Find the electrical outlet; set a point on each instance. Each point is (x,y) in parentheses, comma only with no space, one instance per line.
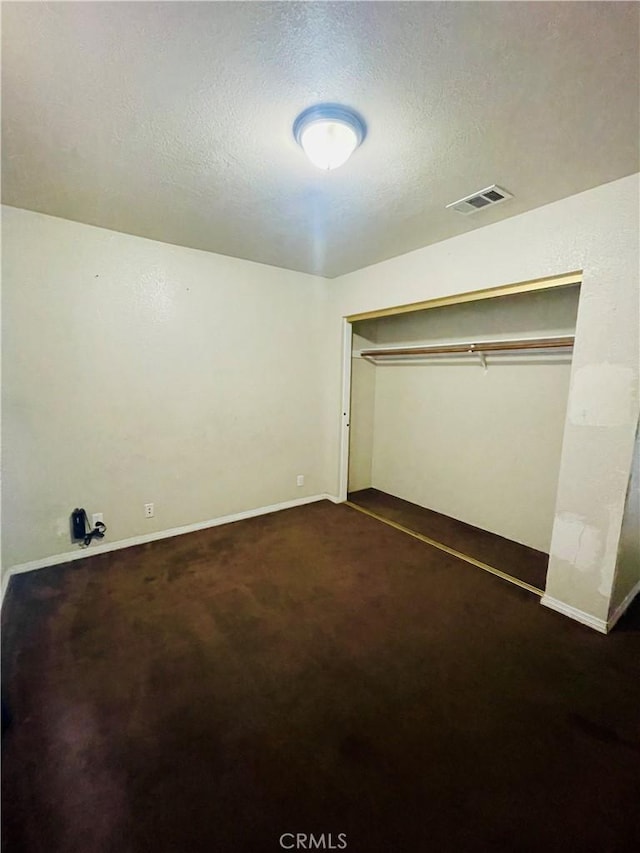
(96,517)
(148,510)
(300,480)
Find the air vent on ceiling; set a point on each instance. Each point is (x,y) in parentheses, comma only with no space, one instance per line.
(485,198)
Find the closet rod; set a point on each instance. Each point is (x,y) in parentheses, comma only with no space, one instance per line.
(485,346)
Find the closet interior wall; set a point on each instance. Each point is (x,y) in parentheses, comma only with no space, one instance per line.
(363,392)
(479,445)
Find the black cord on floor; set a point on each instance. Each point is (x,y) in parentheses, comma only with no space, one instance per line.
(97,533)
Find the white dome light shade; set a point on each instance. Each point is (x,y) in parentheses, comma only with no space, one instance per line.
(328,144)
(329,134)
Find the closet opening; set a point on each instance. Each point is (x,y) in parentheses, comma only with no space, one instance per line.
(456,421)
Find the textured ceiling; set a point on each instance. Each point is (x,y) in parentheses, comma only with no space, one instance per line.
(173,120)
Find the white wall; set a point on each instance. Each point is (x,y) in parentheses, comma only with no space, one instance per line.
(523,315)
(597,232)
(136,371)
(628,569)
(480,446)
(363,389)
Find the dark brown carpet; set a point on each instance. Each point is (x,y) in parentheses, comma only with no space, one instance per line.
(509,557)
(311,671)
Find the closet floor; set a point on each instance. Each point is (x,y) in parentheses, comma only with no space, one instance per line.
(518,561)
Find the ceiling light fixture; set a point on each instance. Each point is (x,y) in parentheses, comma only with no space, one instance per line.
(329,134)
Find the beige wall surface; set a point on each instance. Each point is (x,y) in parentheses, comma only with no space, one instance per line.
(596,232)
(628,569)
(138,372)
(363,389)
(524,315)
(480,447)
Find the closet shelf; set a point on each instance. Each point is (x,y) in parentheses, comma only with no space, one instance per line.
(565,342)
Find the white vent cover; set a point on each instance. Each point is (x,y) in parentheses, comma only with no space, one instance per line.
(478,201)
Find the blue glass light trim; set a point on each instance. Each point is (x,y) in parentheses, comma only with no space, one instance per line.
(330,112)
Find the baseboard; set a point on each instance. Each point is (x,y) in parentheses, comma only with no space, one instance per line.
(620,609)
(82,553)
(6,577)
(573,613)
